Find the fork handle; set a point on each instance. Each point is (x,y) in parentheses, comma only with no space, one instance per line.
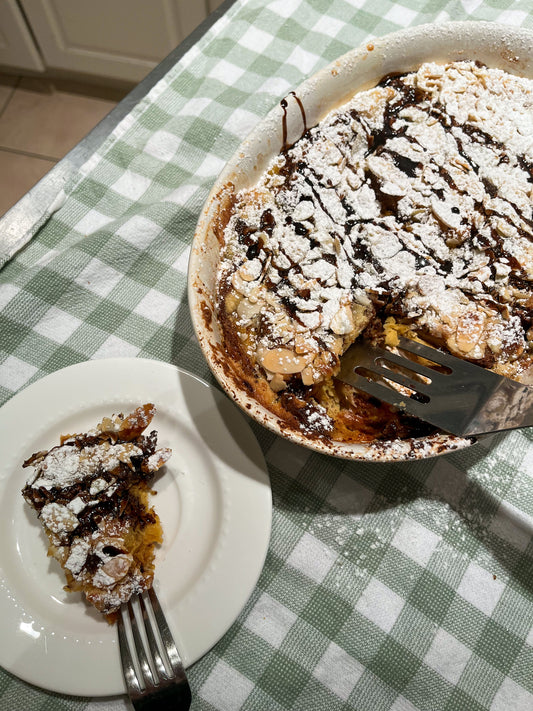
(171,699)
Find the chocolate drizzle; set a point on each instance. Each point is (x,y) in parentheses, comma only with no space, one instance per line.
(407,96)
(405,196)
(284,105)
(91,495)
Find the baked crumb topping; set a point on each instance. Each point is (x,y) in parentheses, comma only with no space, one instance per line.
(91,495)
(407,210)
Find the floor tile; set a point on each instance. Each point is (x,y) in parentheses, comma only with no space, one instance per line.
(43,120)
(7,87)
(18,173)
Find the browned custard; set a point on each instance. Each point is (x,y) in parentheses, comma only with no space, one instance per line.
(406,210)
(91,495)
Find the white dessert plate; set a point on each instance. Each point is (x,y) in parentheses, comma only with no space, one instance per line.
(213,498)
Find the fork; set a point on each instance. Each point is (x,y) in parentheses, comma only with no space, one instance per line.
(152,668)
(454,395)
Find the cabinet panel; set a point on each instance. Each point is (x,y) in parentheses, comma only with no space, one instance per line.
(17,48)
(118,39)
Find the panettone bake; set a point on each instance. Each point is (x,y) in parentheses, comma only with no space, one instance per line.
(408,210)
(91,495)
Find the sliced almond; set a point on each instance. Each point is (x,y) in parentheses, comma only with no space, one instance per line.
(353,180)
(504,228)
(58,518)
(304,344)
(117,567)
(446,213)
(308,375)
(79,551)
(251,270)
(156,460)
(239,284)
(379,167)
(303,211)
(394,188)
(283,360)
(342,322)
(332,155)
(469,333)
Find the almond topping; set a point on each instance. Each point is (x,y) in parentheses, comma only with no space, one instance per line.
(250,271)
(118,566)
(308,375)
(342,322)
(469,331)
(284,361)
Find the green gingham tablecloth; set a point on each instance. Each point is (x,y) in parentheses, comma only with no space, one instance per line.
(403,586)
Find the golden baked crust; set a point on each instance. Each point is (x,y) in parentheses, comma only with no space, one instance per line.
(91,495)
(407,210)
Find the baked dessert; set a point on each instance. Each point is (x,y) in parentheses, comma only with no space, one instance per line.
(91,495)
(408,210)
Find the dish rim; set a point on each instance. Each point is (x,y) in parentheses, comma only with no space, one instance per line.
(501,46)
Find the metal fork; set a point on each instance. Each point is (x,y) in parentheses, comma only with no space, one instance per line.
(152,668)
(452,394)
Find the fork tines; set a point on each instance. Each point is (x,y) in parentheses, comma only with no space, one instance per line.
(151,664)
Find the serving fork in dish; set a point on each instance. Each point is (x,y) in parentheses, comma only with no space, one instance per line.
(456,396)
(151,665)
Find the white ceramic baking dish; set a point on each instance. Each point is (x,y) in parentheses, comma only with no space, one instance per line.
(495,45)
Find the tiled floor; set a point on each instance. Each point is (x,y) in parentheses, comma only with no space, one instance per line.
(40,121)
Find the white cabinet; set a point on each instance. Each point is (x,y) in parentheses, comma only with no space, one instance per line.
(17,48)
(107,39)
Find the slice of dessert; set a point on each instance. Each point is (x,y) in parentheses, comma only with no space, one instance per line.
(91,495)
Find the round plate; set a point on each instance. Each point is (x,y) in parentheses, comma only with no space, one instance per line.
(213,498)
(508,48)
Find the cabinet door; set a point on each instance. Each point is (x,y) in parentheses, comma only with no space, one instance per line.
(116,39)
(17,48)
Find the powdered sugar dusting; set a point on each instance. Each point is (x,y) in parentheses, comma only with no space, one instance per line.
(65,465)
(89,493)
(411,201)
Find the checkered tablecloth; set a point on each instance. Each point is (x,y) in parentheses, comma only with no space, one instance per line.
(403,586)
